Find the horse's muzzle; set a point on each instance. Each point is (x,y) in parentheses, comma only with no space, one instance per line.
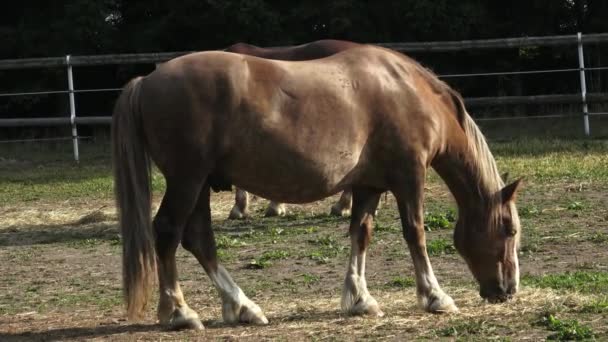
(497,294)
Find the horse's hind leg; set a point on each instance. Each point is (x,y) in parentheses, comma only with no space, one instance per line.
(344,204)
(275,209)
(409,191)
(241,205)
(176,206)
(355,296)
(199,240)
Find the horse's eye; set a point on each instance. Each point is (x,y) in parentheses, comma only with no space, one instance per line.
(507,225)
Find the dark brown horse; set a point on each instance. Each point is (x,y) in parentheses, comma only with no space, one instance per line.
(314,50)
(367,118)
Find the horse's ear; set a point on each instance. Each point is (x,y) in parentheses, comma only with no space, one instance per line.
(509,192)
(505,176)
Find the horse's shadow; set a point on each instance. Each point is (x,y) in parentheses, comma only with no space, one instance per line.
(61,334)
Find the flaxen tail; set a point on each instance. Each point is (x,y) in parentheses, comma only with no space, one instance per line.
(131,166)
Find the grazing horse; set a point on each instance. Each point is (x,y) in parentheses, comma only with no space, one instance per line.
(314,50)
(367,118)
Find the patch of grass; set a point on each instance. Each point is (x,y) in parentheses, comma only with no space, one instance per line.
(328,248)
(597,306)
(565,330)
(576,205)
(439,247)
(402,282)
(381,227)
(528,211)
(463,329)
(438,220)
(582,281)
(311,230)
(226,242)
(275,255)
(599,238)
(265,260)
(309,278)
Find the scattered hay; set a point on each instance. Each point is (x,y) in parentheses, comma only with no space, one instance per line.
(96,216)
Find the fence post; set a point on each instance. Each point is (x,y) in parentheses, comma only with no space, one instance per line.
(72,109)
(581,64)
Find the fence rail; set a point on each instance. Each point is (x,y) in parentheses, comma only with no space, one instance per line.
(73,120)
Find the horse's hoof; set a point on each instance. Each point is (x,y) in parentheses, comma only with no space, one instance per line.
(236,214)
(367,307)
(337,210)
(184,318)
(186,324)
(440,304)
(273,211)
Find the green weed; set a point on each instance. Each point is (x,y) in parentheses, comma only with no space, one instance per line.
(565,330)
(438,220)
(440,246)
(582,281)
(402,282)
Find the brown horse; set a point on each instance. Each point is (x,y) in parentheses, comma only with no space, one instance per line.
(314,50)
(367,118)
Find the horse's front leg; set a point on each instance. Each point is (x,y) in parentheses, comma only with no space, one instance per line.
(409,192)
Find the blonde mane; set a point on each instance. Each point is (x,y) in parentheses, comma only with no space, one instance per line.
(482,159)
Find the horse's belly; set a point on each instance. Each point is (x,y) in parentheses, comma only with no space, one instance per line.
(292,178)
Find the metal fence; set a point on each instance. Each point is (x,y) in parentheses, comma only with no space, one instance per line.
(73,120)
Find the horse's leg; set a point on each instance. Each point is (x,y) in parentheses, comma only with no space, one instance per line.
(355,296)
(198,238)
(275,209)
(241,205)
(177,204)
(409,193)
(342,207)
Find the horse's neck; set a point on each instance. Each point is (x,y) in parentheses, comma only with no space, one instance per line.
(464,176)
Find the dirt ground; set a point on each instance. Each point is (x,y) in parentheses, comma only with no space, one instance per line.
(60,272)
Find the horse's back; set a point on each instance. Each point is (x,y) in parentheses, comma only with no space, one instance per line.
(313,50)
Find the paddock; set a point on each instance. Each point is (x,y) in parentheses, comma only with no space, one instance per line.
(61,275)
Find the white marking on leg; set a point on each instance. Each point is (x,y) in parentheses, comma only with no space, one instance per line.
(174,312)
(430,295)
(236,306)
(355,295)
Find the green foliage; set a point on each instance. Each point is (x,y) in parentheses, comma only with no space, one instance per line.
(597,306)
(599,238)
(582,281)
(438,220)
(226,242)
(327,248)
(565,330)
(265,260)
(576,205)
(528,211)
(402,282)
(310,278)
(440,246)
(463,329)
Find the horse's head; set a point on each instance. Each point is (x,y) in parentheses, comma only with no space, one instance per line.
(488,239)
